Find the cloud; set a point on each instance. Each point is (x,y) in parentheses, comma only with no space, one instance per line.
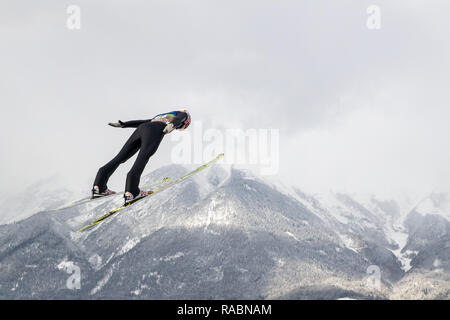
(356,108)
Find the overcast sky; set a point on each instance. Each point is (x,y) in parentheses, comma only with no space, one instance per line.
(358,110)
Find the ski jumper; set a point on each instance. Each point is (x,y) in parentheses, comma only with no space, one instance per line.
(145,139)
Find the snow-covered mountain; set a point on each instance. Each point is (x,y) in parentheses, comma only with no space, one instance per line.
(428,246)
(44,194)
(228,234)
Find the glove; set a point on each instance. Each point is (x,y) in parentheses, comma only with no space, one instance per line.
(119,124)
(169,128)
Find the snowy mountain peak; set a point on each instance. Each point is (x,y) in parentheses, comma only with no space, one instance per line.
(224,233)
(435,204)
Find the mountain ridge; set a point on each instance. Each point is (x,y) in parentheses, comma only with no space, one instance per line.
(223,233)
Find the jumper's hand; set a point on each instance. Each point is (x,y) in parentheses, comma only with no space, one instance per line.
(119,124)
(169,128)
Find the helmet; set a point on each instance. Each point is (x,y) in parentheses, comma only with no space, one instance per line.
(187,121)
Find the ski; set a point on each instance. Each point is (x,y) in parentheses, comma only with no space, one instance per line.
(88,199)
(151,192)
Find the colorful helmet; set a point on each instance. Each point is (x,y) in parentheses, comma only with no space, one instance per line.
(186,122)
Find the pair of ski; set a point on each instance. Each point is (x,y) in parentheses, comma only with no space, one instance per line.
(151,192)
(89,199)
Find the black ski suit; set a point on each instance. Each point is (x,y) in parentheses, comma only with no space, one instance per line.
(146,138)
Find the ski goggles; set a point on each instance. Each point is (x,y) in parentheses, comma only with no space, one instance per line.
(186,122)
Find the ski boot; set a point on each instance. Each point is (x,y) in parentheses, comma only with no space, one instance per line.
(97,194)
(128,196)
